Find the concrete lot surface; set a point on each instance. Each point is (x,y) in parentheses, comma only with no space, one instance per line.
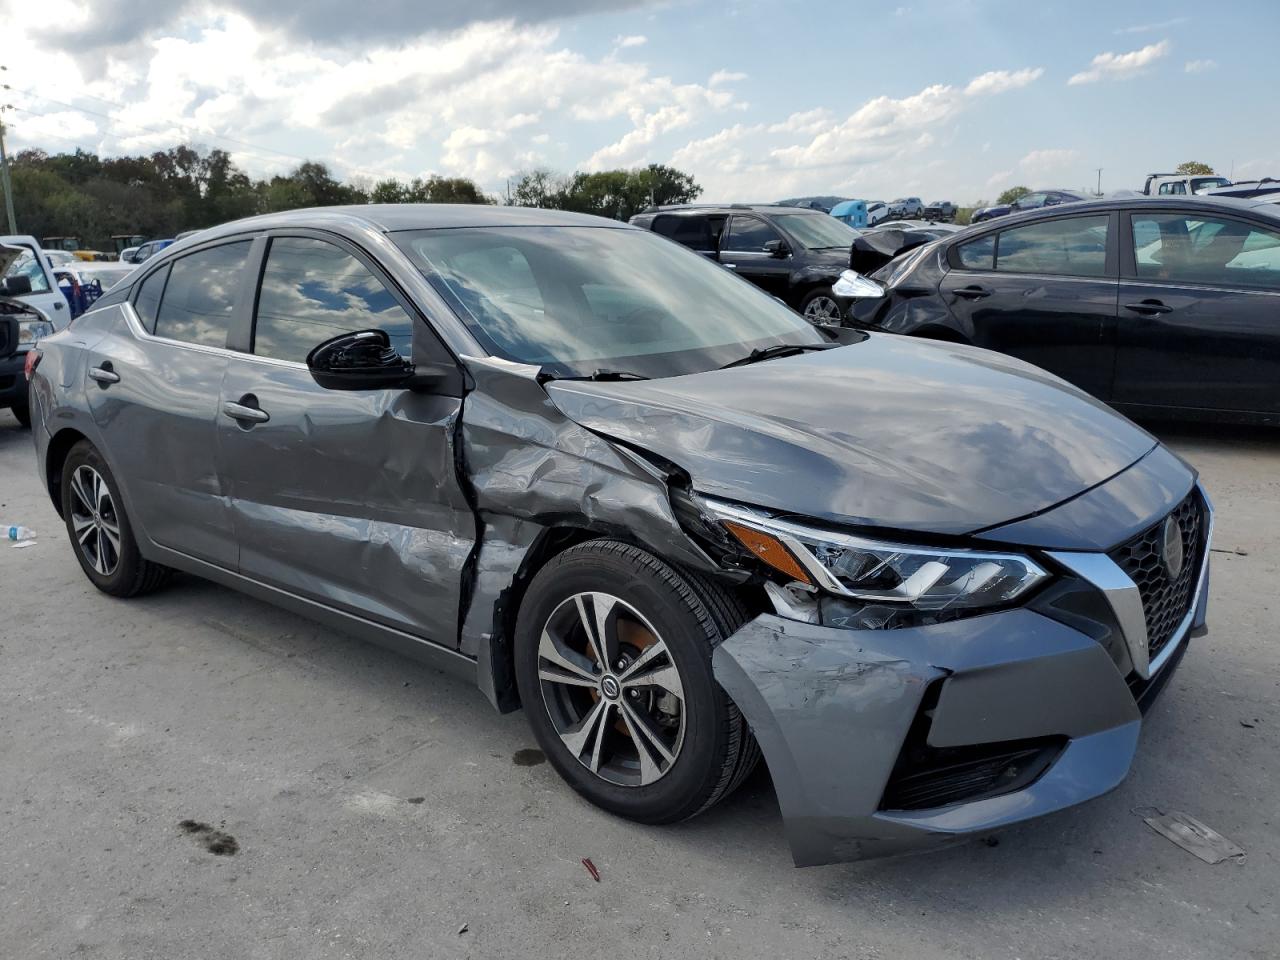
(376,806)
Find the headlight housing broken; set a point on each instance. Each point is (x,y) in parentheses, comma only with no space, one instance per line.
(880,585)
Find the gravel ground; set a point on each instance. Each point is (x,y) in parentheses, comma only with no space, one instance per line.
(376,807)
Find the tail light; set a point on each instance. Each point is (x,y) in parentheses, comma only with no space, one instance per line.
(32,361)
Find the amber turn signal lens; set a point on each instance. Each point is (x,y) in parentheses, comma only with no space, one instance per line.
(770,550)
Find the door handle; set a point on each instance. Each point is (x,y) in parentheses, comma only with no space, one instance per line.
(973,292)
(729,266)
(1149,308)
(245,414)
(104,374)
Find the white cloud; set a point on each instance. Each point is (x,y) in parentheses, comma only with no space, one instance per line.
(482,101)
(1120,66)
(882,141)
(998,81)
(635,40)
(1200,66)
(725,76)
(999,177)
(1153,27)
(1048,161)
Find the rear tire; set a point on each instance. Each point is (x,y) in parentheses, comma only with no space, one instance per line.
(704,748)
(22,413)
(99,527)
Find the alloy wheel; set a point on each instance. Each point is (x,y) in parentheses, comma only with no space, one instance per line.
(94,520)
(612,690)
(822,310)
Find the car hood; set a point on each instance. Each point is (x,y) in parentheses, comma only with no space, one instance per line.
(892,432)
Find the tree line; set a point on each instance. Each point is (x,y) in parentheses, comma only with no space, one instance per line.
(188,188)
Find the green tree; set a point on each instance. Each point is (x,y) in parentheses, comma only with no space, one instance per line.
(537,188)
(1012,194)
(619,194)
(1194,168)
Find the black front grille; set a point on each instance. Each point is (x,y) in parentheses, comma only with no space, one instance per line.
(938,777)
(1165,599)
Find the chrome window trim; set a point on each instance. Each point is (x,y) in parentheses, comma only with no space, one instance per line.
(1193,285)
(140,333)
(1122,596)
(1005,274)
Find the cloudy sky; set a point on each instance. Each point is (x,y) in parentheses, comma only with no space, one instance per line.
(759,99)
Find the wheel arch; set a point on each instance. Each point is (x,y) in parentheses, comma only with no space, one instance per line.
(59,447)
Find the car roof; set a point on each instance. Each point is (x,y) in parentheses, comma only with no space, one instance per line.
(393,217)
(1141,201)
(728,208)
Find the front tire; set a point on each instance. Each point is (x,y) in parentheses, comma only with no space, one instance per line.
(613,663)
(820,307)
(99,527)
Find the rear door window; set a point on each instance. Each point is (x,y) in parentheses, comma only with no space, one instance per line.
(1193,248)
(1070,247)
(313,291)
(201,295)
(693,232)
(978,254)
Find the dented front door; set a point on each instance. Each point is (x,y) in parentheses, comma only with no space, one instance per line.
(351,498)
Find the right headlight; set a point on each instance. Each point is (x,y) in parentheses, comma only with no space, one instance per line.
(882,579)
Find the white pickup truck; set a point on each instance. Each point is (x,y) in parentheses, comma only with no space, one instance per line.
(34,264)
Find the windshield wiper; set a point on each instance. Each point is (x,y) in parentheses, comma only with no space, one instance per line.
(777,350)
(601,374)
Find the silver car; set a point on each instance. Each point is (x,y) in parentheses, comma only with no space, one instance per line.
(616,485)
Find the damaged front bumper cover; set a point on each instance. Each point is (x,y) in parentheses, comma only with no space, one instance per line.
(871,736)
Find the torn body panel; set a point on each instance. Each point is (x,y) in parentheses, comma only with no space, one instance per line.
(834,711)
(532,473)
(351,498)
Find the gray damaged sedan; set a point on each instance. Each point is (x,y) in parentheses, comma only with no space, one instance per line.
(617,486)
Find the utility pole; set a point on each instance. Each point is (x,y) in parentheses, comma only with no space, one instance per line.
(6,182)
(4,164)
(1099,191)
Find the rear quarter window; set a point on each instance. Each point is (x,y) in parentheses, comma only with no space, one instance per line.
(147,301)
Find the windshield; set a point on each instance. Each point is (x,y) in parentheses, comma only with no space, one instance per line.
(575,300)
(817,232)
(1201,184)
(27,266)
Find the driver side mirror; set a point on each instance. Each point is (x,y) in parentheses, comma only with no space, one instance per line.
(777,248)
(365,360)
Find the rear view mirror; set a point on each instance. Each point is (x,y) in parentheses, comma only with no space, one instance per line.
(359,361)
(777,248)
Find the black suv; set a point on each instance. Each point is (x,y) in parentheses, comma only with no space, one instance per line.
(793,253)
